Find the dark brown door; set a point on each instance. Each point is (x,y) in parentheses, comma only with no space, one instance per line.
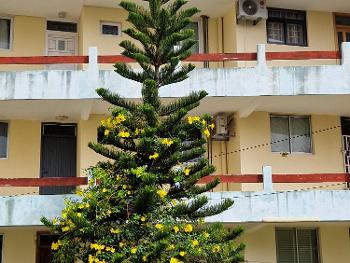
(44,252)
(58,155)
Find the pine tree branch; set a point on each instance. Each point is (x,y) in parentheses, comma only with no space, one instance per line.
(115,99)
(183,102)
(213,210)
(106,152)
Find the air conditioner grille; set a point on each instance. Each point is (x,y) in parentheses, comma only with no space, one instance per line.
(250,7)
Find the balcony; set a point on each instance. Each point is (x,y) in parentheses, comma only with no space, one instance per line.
(306,204)
(235,89)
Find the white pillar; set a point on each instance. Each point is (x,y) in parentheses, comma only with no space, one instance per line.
(261,55)
(93,56)
(267,179)
(345,50)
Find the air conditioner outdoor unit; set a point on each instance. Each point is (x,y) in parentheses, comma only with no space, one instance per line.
(221,127)
(254,10)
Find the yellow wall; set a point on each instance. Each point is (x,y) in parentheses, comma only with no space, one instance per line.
(261,245)
(243,37)
(19,245)
(23,154)
(91,17)
(87,132)
(326,157)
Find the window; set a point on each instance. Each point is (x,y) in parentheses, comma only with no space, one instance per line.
(290,134)
(5,33)
(295,245)
(3,139)
(62,26)
(111,29)
(1,245)
(286,27)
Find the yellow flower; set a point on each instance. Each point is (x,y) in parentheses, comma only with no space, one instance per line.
(174,202)
(207,133)
(188,228)
(104,190)
(187,171)
(190,120)
(64,215)
(196,118)
(55,245)
(97,247)
(175,260)
(159,227)
(139,131)
(110,249)
(176,229)
(143,219)
(87,205)
(54,221)
(216,249)
(206,234)
(204,122)
(114,231)
(162,193)
(78,214)
(195,242)
(167,142)
(121,244)
(144,259)
(107,132)
(65,229)
(182,253)
(211,126)
(170,247)
(133,250)
(120,118)
(124,134)
(154,156)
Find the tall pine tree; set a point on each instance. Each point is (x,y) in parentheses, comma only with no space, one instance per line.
(146,205)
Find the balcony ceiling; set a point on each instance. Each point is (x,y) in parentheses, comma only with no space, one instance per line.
(50,9)
(217,8)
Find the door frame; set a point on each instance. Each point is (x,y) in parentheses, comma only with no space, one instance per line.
(41,144)
(339,27)
(37,249)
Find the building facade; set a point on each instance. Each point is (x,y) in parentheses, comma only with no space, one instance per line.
(280,85)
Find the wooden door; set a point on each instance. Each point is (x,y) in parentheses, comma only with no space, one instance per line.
(58,155)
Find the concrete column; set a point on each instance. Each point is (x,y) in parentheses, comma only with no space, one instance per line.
(267,179)
(261,55)
(92,70)
(345,50)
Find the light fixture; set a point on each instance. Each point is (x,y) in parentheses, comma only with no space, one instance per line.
(62,14)
(61,117)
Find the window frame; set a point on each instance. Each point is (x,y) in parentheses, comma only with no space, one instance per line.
(2,236)
(8,141)
(290,133)
(110,23)
(11,33)
(295,230)
(285,22)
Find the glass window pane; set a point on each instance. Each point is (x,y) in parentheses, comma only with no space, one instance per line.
(295,34)
(110,30)
(300,134)
(342,20)
(307,246)
(3,139)
(5,33)
(280,134)
(286,246)
(275,32)
(194,26)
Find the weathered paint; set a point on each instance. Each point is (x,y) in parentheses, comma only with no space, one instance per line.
(255,207)
(253,81)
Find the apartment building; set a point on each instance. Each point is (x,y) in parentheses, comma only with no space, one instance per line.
(277,73)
